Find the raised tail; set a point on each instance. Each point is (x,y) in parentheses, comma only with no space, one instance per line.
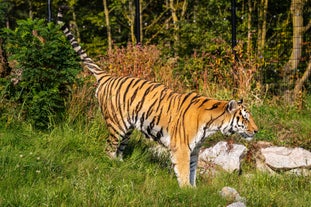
(87,61)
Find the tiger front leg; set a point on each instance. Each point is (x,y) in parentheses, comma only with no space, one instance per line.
(193,167)
(180,157)
(117,143)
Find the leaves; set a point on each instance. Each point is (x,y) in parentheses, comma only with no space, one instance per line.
(48,67)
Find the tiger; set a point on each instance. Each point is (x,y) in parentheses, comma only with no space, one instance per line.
(178,121)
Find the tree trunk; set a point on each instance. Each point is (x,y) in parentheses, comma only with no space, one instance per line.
(298,30)
(106,10)
(173,8)
(302,80)
(262,26)
(249,28)
(75,26)
(141,21)
(131,19)
(30,12)
(175,22)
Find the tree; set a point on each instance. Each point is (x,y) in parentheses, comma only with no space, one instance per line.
(298,30)
(106,10)
(297,44)
(262,26)
(48,68)
(178,11)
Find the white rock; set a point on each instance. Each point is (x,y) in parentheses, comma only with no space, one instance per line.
(282,158)
(228,157)
(300,172)
(231,195)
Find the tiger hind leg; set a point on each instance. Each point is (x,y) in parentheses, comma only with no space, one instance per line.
(123,143)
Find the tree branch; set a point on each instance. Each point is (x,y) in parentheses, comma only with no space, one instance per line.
(302,80)
(308,26)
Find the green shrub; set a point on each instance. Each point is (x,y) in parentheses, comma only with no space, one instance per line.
(46,68)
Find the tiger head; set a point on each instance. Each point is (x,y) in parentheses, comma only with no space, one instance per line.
(239,120)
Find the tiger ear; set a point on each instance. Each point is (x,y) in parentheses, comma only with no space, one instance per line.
(232,106)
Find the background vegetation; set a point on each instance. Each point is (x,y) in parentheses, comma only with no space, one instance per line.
(52,136)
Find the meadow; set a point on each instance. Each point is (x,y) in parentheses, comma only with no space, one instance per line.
(67,166)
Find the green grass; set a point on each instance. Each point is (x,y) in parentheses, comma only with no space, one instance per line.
(283,125)
(67,166)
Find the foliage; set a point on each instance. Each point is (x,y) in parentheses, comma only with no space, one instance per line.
(46,68)
(220,70)
(200,23)
(136,61)
(4,6)
(195,31)
(144,61)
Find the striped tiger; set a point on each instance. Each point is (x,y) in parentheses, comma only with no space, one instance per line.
(180,122)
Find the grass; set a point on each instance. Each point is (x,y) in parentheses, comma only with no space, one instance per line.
(283,125)
(67,166)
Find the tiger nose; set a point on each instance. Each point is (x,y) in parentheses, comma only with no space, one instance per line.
(255,131)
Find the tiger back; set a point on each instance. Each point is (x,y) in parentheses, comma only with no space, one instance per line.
(180,122)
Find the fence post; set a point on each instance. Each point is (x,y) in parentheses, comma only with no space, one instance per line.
(233,44)
(49,11)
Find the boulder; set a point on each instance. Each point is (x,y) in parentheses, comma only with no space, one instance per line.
(232,196)
(227,156)
(282,158)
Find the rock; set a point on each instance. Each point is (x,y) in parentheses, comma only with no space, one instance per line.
(262,144)
(300,172)
(231,195)
(237,204)
(282,158)
(228,156)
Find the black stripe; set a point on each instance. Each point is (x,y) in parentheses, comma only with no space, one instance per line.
(159,135)
(215,106)
(170,99)
(189,105)
(161,97)
(118,101)
(115,132)
(128,87)
(142,120)
(141,102)
(136,89)
(103,76)
(184,99)
(203,102)
(150,110)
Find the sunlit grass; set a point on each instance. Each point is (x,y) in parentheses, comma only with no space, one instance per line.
(67,166)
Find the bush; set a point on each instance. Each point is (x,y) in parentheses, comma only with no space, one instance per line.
(46,68)
(216,71)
